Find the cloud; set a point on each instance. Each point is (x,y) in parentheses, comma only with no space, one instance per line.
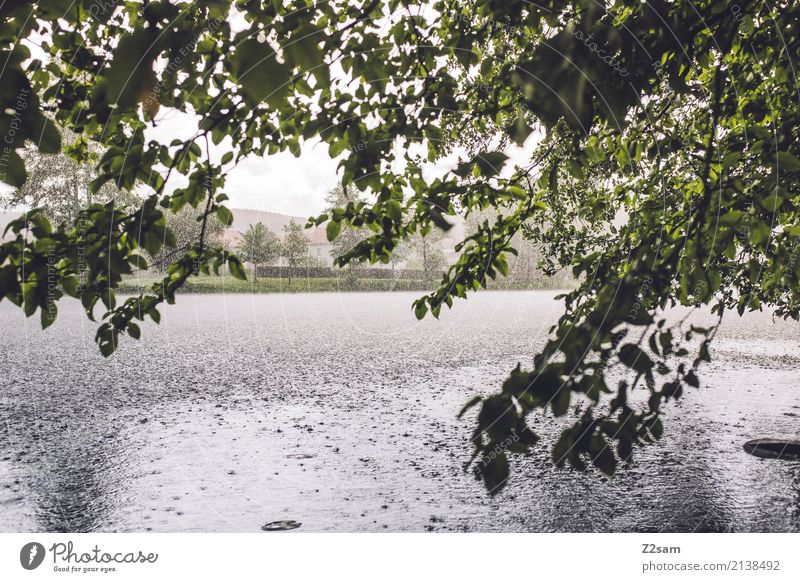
(284,183)
(279,183)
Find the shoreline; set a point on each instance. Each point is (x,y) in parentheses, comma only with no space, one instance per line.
(225,284)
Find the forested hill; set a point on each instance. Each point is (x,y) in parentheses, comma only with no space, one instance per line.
(243,218)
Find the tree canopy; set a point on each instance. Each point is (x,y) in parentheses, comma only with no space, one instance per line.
(259,246)
(294,247)
(58,184)
(664,167)
(344,239)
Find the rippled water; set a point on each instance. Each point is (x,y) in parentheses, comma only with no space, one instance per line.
(338,411)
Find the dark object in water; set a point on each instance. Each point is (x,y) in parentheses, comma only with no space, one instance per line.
(281,525)
(774,449)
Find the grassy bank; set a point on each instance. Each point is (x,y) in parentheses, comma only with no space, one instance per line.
(228,284)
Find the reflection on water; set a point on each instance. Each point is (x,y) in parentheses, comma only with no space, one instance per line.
(338,411)
(67,473)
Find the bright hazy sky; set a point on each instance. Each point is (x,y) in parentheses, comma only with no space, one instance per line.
(293,185)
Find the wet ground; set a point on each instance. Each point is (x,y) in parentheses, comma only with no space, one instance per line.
(338,411)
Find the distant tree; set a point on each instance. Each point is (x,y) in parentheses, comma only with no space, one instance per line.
(400,254)
(259,246)
(427,246)
(60,185)
(529,266)
(313,262)
(347,238)
(294,247)
(186,227)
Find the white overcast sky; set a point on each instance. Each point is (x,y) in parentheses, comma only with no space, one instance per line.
(287,184)
(281,182)
(293,185)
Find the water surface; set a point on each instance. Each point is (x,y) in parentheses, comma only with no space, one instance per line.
(338,411)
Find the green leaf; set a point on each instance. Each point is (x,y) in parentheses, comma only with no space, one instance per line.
(12,170)
(332,229)
(303,50)
(593,150)
(49,314)
(130,68)
(730,218)
(337,147)
(502,265)
(394,210)
(225,216)
(623,156)
(71,283)
(155,315)
(134,331)
(772,202)
(109,298)
(491,163)
(49,141)
(107,339)
(152,242)
(520,130)
(236,269)
(788,162)
(40,224)
(262,77)
(575,169)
